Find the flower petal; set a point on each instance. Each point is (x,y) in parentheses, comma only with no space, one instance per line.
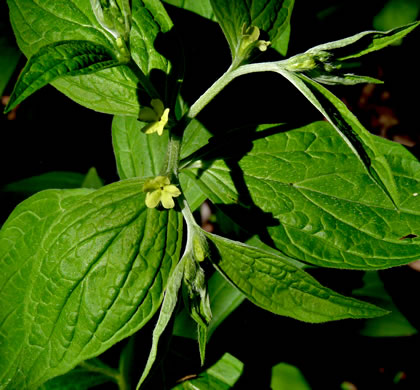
(167,200)
(172,190)
(147,114)
(158,106)
(153,198)
(150,128)
(159,127)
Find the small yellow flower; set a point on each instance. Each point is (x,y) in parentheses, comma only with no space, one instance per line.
(157,115)
(250,39)
(158,190)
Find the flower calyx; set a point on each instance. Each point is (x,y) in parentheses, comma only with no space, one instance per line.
(157,116)
(160,190)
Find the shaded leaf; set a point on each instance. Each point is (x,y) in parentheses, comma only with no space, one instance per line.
(92,179)
(80,280)
(391,325)
(9,57)
(396,13)
(278,284)
(285,376)
(77,379)
(48,180)
(202,7)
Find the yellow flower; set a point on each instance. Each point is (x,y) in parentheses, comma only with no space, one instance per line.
(158,190)
(250,40)
(157,115)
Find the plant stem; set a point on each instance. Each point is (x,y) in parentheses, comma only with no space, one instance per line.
(225,79)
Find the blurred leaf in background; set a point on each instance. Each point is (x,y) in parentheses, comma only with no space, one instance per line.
(287,377)
(396,13)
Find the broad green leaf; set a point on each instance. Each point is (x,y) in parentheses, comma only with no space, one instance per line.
(316,200)
(168,306)
(359,140)
(68,58)
(285,376)
(221,376)
(278,284)
(143,155)
(137,154)
(224,299)
(392,325)
(363,43)
(28,222)
(116,90)
(272,16)
(201,7)
(48,180)
(91,276)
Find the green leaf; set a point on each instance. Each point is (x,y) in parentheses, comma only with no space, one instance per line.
(315,199)
(195,137)
(224,299)
(79,281)
(202,7)
(278,284)
(221,376)
(392,325)
(285,376)
(115,90)
(151,27)
(48,180)
(363,43)
(9,56)
(137,154)
(272,16)
(396,13)
(143,155)
(69,58)
(348,126)
(92,179)
(168,306)
(78,379)
(28,222)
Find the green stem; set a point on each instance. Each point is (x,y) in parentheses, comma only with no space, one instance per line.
(225,79)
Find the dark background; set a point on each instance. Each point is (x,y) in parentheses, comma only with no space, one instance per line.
(52,133)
